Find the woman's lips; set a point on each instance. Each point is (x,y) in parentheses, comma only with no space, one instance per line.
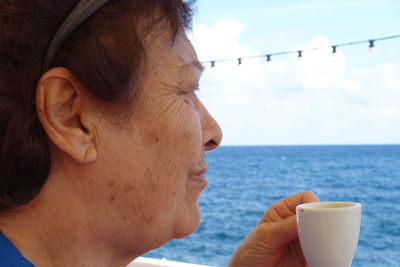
(198,174)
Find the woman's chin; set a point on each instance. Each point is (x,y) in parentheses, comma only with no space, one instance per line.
(188,227)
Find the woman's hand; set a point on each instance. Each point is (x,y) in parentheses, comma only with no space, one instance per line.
(274,241)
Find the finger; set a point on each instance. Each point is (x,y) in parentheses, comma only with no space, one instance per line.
(271,215)
(285,208)
(278,211)
(282,232)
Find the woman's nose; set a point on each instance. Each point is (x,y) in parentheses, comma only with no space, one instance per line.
(212,134)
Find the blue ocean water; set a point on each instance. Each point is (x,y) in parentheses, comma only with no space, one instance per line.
(244,181)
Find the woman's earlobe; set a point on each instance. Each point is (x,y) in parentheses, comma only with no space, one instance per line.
(60,102)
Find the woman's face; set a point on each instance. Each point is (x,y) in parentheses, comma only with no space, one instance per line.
(149,172)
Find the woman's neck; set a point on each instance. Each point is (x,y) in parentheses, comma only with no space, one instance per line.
(53,233)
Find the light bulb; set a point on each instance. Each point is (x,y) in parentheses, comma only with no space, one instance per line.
(334,49)
(372,47)
(299,54)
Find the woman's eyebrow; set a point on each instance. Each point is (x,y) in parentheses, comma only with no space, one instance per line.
(195,63)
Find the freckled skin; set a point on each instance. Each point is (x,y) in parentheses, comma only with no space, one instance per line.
(117,190)
(153,187)
(128,187)
(111,198)
(148,166)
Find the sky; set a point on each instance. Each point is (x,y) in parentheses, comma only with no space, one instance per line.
(352,97)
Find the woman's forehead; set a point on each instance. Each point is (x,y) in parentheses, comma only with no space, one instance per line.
(176,55)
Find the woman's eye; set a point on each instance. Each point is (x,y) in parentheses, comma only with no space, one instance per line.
(195,89)
(191,91)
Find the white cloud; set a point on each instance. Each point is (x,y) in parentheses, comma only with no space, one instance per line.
(321,99)
(213,40)
(316,6)
(319,69)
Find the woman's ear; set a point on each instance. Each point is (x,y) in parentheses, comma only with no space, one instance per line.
(60,104)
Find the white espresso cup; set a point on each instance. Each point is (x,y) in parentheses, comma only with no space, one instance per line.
(329,232)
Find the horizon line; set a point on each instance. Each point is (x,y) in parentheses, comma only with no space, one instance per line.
(369,144)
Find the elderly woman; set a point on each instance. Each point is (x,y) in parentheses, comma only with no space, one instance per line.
(103,139)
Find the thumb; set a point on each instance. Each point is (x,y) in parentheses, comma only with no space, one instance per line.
(265,245)
(283,232)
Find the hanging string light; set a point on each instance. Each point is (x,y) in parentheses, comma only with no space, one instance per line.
(371,45)
(299,53)
(334,49)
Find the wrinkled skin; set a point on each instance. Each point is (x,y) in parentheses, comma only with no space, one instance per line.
(274,241)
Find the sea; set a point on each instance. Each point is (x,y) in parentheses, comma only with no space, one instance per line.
(244,180)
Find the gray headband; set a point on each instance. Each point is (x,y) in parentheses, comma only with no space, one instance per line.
(83,10)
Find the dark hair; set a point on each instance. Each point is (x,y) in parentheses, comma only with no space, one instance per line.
(106,54)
